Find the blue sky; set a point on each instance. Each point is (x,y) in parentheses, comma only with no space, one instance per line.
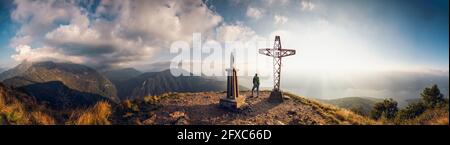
(7,30)
(410,33)
(414,31)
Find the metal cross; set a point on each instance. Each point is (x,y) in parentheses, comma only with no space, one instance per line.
(277,53)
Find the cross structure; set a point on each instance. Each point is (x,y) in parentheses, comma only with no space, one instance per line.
(277,52)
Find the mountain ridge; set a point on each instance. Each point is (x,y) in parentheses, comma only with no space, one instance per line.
(74,76)
(156,83)
(17,70)
(130,82)
(118,75)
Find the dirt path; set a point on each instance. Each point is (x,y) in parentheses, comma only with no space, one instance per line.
(203,108)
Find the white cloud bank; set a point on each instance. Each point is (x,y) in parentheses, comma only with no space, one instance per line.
(116,33)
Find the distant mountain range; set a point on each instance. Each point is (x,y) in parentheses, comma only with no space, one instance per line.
(399,85)
(58,96)
(156,83)
(119,75)
(64,85)
(74,76)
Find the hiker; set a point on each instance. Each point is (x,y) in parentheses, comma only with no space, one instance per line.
(256,85)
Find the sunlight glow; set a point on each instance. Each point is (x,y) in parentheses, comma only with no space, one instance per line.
(326,48)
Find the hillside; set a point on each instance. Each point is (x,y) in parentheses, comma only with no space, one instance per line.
(176,108)
(200,108)
(203,109)
(77,77)
(58,96)
(19,108)
(437,116)
(67,85)
(360,105)
(65,93)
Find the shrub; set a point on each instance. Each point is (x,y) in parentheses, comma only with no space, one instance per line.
(411,111)
(432,97)
(386,109)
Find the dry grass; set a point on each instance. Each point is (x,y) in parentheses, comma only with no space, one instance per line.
(439,121)
(333,114)
(336,115)
(97,115)
(152,99)
(13,113)
(2,103)
(40,118)
(438,116)
(127,104)
(349,117)
(171,95)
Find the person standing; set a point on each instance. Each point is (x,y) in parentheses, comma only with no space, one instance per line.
(256,85)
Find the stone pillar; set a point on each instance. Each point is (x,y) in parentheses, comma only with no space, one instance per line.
(233,100)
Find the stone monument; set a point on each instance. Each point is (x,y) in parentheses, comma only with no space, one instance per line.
(233,100)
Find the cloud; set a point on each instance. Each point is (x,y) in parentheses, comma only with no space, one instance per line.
(235,32)
(273,2)
(254,13)
(25,52)
(116,33)
(280,20)
(307,5)
(38,17)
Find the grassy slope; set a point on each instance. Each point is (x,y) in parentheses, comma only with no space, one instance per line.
(359,105)
(439,116)
(435,116)
(334,114)
(15,111)
(19,109)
